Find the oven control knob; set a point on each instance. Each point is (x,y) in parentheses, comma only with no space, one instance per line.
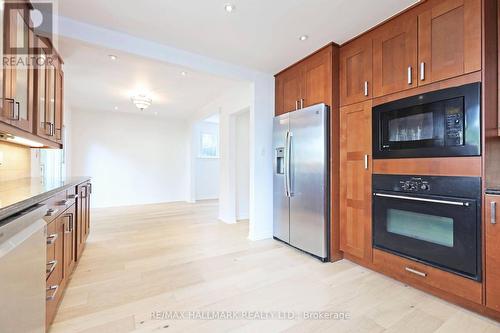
(424,187)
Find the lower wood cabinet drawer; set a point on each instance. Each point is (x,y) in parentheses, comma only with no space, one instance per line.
(420,275)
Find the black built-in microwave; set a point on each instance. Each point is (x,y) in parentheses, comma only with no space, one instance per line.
(442,123)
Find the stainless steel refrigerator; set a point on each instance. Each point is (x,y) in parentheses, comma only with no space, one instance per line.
(301,179)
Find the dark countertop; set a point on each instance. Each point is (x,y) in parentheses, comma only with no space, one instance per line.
(18,195)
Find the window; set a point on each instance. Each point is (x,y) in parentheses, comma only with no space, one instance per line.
(209,145)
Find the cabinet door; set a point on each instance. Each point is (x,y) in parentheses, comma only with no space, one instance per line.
(20,93)
(51,96)
(449,40)
(88,208)
(41,96)
(395,56)
(288,85)
(492,260)
(82,218)
(317,79)
(59,104)
(69,241)
(55,281)
(355,180)
(356,71)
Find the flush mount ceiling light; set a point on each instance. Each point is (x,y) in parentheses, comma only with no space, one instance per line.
(184,73)
(303,37)
(142,101)
(113,57)
(228,7)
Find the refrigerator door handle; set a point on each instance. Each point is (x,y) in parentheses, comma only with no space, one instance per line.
(288,179)
(285,169)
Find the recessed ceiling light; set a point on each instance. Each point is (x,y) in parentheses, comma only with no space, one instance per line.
(303,37)
(113,57)
(184,73)
(115,108)
(228,7)
(156,113)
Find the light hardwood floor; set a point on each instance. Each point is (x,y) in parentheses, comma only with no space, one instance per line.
(178,257)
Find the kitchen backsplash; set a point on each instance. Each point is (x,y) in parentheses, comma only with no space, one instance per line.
(15,162)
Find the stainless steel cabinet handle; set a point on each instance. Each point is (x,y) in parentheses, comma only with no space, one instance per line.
(366,162)
(445,202)
(410,75)
(493,212)
(414,271)
(422,71)
(296,105)
(302,103)
(51,212)
(51,265)
(51,240)
(54,290)
(366,88)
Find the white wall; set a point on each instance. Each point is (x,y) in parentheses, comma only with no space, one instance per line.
(242,143)
(261,109)
(132,159)
(233,101)
(207,169)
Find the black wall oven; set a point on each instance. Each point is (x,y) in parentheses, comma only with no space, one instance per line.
(442,123)
(434,220)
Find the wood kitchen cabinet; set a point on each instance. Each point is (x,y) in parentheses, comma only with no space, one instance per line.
(18,78)
(395,55)
(306,83)
(449,34)
(356,71)
(66,219)
(355,180)
(83,216)
(70,256)
(492,250)
(56,278)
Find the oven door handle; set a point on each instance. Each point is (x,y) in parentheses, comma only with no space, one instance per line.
(445,202)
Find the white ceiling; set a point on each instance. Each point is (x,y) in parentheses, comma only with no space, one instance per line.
(260,34)
(94,82)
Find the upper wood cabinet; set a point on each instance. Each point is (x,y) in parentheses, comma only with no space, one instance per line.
(492,259)
(395,55)
(17,78)
(449,39)
(356,71)
(317,78)
(355,180)
(288,85)
(307,83)
(434,41)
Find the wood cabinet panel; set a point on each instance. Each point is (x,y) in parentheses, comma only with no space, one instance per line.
(355,180)
(449,40)
(56,279)
(437,280)
(356,71)
(492,258)
(288,91)
(307,83)
(395,55)
(70,257)
(317,79)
